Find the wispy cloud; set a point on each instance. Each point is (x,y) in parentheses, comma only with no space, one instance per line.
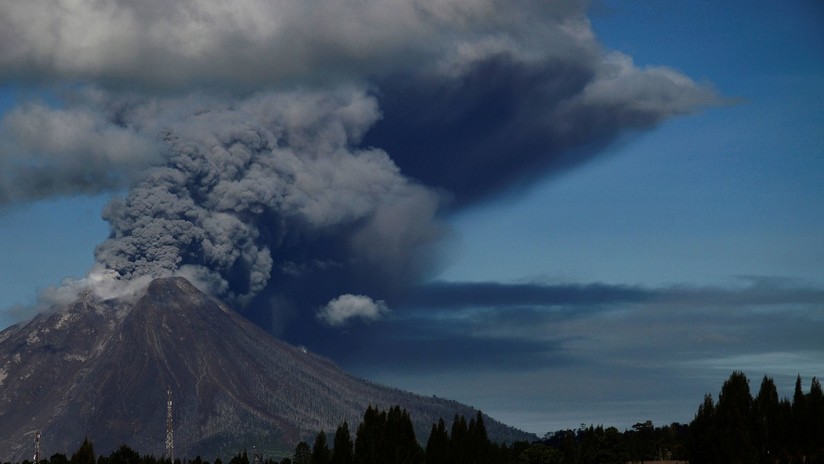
(591,352)
(542,326)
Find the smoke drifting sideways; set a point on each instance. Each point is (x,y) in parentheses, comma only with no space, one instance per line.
(284,155)
(266,192)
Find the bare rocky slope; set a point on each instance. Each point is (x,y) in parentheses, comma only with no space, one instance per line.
(101,369)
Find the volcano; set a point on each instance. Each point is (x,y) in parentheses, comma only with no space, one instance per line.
(103,370)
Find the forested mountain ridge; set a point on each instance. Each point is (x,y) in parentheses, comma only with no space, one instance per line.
(101,369)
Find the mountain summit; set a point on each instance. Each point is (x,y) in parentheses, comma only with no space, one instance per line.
(102,369)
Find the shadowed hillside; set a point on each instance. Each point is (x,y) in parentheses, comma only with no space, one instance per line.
(101,369)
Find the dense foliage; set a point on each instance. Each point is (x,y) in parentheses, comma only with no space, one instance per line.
(736,429)
(740,428)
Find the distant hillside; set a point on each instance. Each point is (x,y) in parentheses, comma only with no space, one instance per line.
(101,369)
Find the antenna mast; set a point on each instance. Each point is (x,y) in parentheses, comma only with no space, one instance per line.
(170,441)
(37,447)
(36,433)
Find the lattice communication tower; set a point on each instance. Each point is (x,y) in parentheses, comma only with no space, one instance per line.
(170,439)
(36,447)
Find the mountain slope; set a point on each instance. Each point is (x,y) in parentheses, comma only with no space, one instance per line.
(101,369)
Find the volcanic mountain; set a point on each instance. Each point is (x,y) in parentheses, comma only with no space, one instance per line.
(102,369)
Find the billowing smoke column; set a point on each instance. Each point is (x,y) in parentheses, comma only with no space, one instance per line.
(299,155)
(267,189)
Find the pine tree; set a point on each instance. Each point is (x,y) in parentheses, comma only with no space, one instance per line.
(303,455)
(702,446)
(320,450)
(478,443)
(368,437)
(437,447)
(735,418)
(799,420)
(457,440)
(342,453)
(400,446)
(815,420)
(766,414)
(84,454)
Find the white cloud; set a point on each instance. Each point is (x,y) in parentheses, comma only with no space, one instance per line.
(345,307)
(248,41)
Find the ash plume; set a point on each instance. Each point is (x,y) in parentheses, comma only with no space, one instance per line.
(270,188)
(284,154)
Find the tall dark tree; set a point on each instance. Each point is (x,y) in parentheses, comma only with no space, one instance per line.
(320,450)
(387,438)
(735,419)
(342,451)
(799,418)
(641,441)
(303,455)
(588,443)
(84,454)
(702,446)
(458,440)
(369,436)
(437,447)
(477,441)
(766,413)
(400,446)
(784,433)
(765,429)
(815,420)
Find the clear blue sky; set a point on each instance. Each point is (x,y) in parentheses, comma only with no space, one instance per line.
(713,220)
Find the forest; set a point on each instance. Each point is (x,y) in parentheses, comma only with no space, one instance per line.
(737,428)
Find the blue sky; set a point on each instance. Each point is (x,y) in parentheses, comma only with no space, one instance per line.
(704,200)
(615,289)
(733,191)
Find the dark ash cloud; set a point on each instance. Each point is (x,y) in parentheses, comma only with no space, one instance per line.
(271,188)
(502,121)
(284,154)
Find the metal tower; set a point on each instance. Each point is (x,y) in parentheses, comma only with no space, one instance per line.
(36,433)
(170,440)
(36,447)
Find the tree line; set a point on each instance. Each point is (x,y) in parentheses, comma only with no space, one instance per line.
(738,428)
